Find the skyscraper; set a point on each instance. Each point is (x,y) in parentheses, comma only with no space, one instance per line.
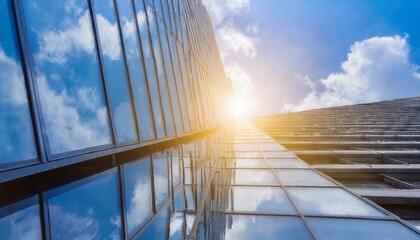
(114,126)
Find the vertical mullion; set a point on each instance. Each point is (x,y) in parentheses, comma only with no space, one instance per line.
(121,181)
(133,103)
(102,70)
(31,92)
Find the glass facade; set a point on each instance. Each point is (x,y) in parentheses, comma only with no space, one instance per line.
(111,117)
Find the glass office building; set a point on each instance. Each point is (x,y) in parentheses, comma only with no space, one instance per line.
(113,126)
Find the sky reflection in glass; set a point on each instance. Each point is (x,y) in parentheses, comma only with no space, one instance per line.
(349,229)
(161,177)
(176,227)
(22,224)
(150,67)
(254,177)
(138,193)
(116,75)
(17,138)
(135,68)
(259,199)
(67,74)
(176,167)
(264,227)
(89,211)
(302,178)
(158,229)
(330,201)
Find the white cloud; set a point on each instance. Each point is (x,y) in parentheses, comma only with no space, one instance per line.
(139,210)
(12,90)
(241,81)
(66,129)
(109,38)
(376,69)
(220,9)
(233,41)
(54,46)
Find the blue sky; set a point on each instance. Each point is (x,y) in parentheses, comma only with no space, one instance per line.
(295,55)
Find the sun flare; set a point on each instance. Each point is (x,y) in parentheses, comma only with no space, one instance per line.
(238,108)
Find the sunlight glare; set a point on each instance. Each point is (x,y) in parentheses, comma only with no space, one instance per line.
(238,108)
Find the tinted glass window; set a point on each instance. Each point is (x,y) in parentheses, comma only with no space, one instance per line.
(158,229)
(16,138)
(135,68)
(254,177)
(67,74)
(330,201)
(89,211)
(22,224)
(259,199)
(176,228)
(115,71)
(176,167)
(138,193)
(329,228)
(302,178)
(161,178)
(163,88)
(150,66)
(264,227)
(170,76)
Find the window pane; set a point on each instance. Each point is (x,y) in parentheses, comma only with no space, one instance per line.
(251,163)
(190,198)
(135,68)
(176,167)
(254,177)
(138,193)
(115,71)
(264,227)
(67,74)
(22,224)
(176,227)
(302,178)
(279,155)
(163,88)
(90,211)
(260,199)
(150,67)
(330,201)
(170,77)
(286,163)
(158,229)
(179,201)
(329,228)
(160,174)
(17,138)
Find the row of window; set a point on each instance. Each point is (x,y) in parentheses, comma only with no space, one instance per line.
(87,75)
(144,199)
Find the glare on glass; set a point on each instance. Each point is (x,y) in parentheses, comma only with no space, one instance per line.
(259,199)
(279,155)
(254,177)
(331,201)
(295,177)
(349,229)
(287,163)
(264,227)
(250,163)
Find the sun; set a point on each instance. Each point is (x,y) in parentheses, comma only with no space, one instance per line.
(238,108)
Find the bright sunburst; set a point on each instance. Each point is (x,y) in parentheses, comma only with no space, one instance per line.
(238,107)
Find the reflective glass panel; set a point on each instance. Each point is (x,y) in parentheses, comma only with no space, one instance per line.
(138,193)
(161,177)
(115,72)
(135,68)
(250,163)
(176,167)
(271,147)
(248,155)
(286,163)
(89,211)
(158,229)
(279,155)
(190,198)
(150,66)
(163,88)
(176,227)
(170,77)
(331,201)
(257,177)
(343,229)
(22,224)
(260,199)
(16,134)
(179,200)
(264,227)
(67,74)
(302,178)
